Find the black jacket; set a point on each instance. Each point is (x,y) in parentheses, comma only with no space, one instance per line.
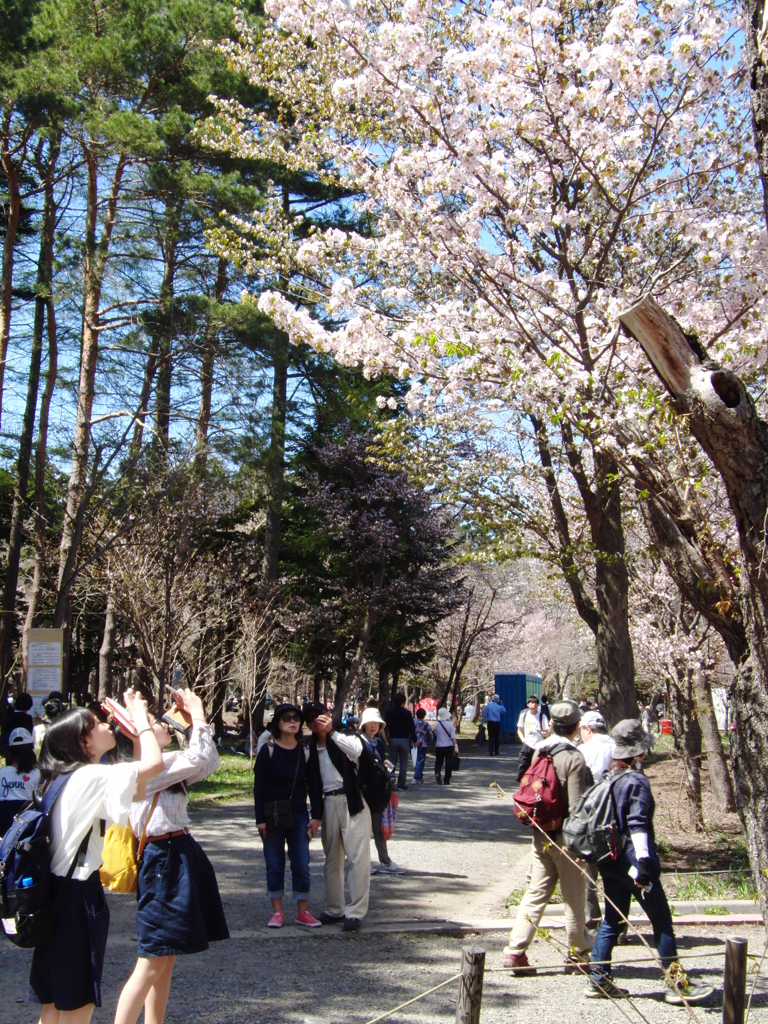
(273,779)
(345,768)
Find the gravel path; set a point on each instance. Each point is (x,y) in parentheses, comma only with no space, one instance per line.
(464,852)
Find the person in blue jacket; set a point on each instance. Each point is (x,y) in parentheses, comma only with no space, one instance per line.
(492,719)
(636,872)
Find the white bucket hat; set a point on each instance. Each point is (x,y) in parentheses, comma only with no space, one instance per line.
(443,715)
(371,715)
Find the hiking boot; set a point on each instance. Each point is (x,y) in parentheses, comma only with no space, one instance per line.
(688,993)
(326,918)
(605,989)
(438,780)
(519,964)
(577,963)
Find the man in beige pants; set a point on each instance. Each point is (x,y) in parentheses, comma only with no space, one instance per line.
(346,825)
(549,864)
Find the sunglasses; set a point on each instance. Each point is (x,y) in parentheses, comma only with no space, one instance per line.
(290,718)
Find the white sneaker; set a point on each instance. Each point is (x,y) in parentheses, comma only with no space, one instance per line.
(391,869)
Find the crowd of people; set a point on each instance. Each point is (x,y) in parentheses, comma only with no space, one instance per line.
(339,782)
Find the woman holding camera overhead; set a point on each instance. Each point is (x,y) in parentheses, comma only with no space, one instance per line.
(282,777)
(178,906)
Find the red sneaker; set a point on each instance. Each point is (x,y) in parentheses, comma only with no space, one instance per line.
(519,964)
(276,921)
(307,920)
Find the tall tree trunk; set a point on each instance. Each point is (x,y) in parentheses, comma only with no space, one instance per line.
(755,41)
(150,368)
(96,253)
(162,335)
(696,580)
(608,614)
(41,459)
(206,367)
(11,169)
(687,736)
(723,419)
(275,461)
(384,691)
(719,777)
(42,298)
(107,650)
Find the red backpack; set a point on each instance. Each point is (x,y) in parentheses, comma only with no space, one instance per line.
(538,801)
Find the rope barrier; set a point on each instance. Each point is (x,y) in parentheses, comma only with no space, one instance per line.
(415,999)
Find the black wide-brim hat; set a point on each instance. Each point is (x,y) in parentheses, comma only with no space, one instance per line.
(283,709)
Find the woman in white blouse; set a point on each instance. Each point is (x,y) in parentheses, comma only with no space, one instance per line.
(445,744)
(179,908)
(66,968)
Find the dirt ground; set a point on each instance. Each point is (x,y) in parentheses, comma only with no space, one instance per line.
(463,852)
(720,847)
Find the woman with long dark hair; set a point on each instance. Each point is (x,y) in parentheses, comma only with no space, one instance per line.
(66,968)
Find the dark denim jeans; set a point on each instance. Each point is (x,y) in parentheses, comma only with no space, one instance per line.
(620,889)
(400,749)
(298,851)
(421,757)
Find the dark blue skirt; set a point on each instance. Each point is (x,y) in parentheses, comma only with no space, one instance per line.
(179,907)
(66,970)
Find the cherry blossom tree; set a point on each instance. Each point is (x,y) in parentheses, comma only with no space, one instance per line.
(525,169)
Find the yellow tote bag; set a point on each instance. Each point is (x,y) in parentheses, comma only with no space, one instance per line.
(120,869)
(119,872)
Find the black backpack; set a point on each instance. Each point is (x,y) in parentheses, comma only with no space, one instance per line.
(28,911)
(375,783)
(592,831)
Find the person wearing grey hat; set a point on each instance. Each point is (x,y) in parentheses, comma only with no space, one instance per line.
(636,872)
(548,862)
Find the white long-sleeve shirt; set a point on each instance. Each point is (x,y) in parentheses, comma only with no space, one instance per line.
(351,746)
(200,759)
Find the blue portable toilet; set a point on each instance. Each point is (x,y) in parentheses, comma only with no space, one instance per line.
(513,688)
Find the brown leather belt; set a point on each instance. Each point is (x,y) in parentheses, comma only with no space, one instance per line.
(168,835)
(335,792)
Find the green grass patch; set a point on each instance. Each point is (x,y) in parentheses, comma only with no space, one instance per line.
(233,776)
(716,910)
(731,885)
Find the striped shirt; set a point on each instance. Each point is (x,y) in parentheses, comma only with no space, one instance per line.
(199,760)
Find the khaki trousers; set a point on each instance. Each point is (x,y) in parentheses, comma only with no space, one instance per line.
(594,911)
(548,865)
(343,834)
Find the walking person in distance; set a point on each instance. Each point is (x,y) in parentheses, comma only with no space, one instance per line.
(492,719)
(532,729)
(424,736)
(402,735)
(445,745)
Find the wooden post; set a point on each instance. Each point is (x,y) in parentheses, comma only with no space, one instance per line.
(735,981)
(470,985)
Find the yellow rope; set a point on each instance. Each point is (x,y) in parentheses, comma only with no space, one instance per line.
(415,999)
